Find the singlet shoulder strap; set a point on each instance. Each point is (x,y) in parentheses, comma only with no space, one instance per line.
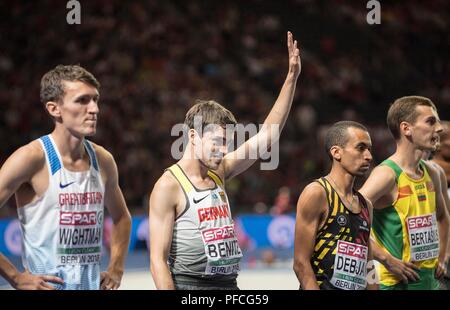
(50,153)
(322,181)
(181,178)
(91,153)
(362,199)
(391,164)
(423,165)
(216,178)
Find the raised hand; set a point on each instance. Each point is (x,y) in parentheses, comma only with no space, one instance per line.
(295,66)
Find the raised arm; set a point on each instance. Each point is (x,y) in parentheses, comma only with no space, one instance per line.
(310,209)
(238,161)
(18,169)
(162,210)
(121,227)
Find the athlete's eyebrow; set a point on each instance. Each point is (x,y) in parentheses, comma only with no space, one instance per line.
(83,97)
(365,145)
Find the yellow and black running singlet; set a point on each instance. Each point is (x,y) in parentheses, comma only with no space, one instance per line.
(339,260)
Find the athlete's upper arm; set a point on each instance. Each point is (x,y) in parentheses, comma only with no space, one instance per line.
(310,209)
(114,200)
(162,210)
(443,187)
(19,168)
(433,171)
(380,182)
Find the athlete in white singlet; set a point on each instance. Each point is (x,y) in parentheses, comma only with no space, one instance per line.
(62,183)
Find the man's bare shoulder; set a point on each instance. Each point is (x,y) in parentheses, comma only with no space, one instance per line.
(384,170)
(166,192)
(167,184)
(30,155)
(434,170)
(104,156)
(313,192)
(383,174)
(435,166)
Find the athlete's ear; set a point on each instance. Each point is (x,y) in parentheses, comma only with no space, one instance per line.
(405,128)
(335,152)
(194,137)
(53,109)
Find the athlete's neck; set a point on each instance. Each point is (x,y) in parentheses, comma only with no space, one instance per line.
(342,179)
(69,146)
(192,166)
(408,157)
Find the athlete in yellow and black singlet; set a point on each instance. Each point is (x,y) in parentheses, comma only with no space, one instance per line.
(339,260)
(408,229)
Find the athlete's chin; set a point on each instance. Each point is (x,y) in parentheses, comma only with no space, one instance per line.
(214,165)
(90,132)
(362,171)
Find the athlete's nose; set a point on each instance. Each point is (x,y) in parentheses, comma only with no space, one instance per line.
(439,127)
(368,156)
(93,107)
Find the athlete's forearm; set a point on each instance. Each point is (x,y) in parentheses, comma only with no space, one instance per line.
(305,276)
(161,275)
(120,240)
(280,110)
(8,271)
(443,227)
(378,253)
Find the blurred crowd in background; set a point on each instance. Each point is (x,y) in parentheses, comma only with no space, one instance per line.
(154,58)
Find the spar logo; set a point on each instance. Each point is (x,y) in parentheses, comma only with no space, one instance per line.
(221,233)
(420,221)
(81,218)
(352,249)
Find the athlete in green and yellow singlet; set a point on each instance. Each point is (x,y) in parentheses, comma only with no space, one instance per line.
(410,222)
(408,228)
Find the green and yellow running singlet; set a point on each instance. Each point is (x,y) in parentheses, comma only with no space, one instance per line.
(408,228)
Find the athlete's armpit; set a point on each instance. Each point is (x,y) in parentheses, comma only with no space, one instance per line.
(19,168)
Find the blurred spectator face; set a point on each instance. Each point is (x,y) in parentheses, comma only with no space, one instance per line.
(79,108)
(211,147)
(425,131)
(355,157)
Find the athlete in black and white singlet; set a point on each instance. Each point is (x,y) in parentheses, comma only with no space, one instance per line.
(204,246)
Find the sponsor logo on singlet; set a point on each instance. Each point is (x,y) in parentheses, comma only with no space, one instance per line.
(423,237)
(350,266)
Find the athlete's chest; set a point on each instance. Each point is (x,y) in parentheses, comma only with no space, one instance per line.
(209,206)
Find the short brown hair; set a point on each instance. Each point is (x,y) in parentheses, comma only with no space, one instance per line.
(210,112)
(52,88)
(404,109)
